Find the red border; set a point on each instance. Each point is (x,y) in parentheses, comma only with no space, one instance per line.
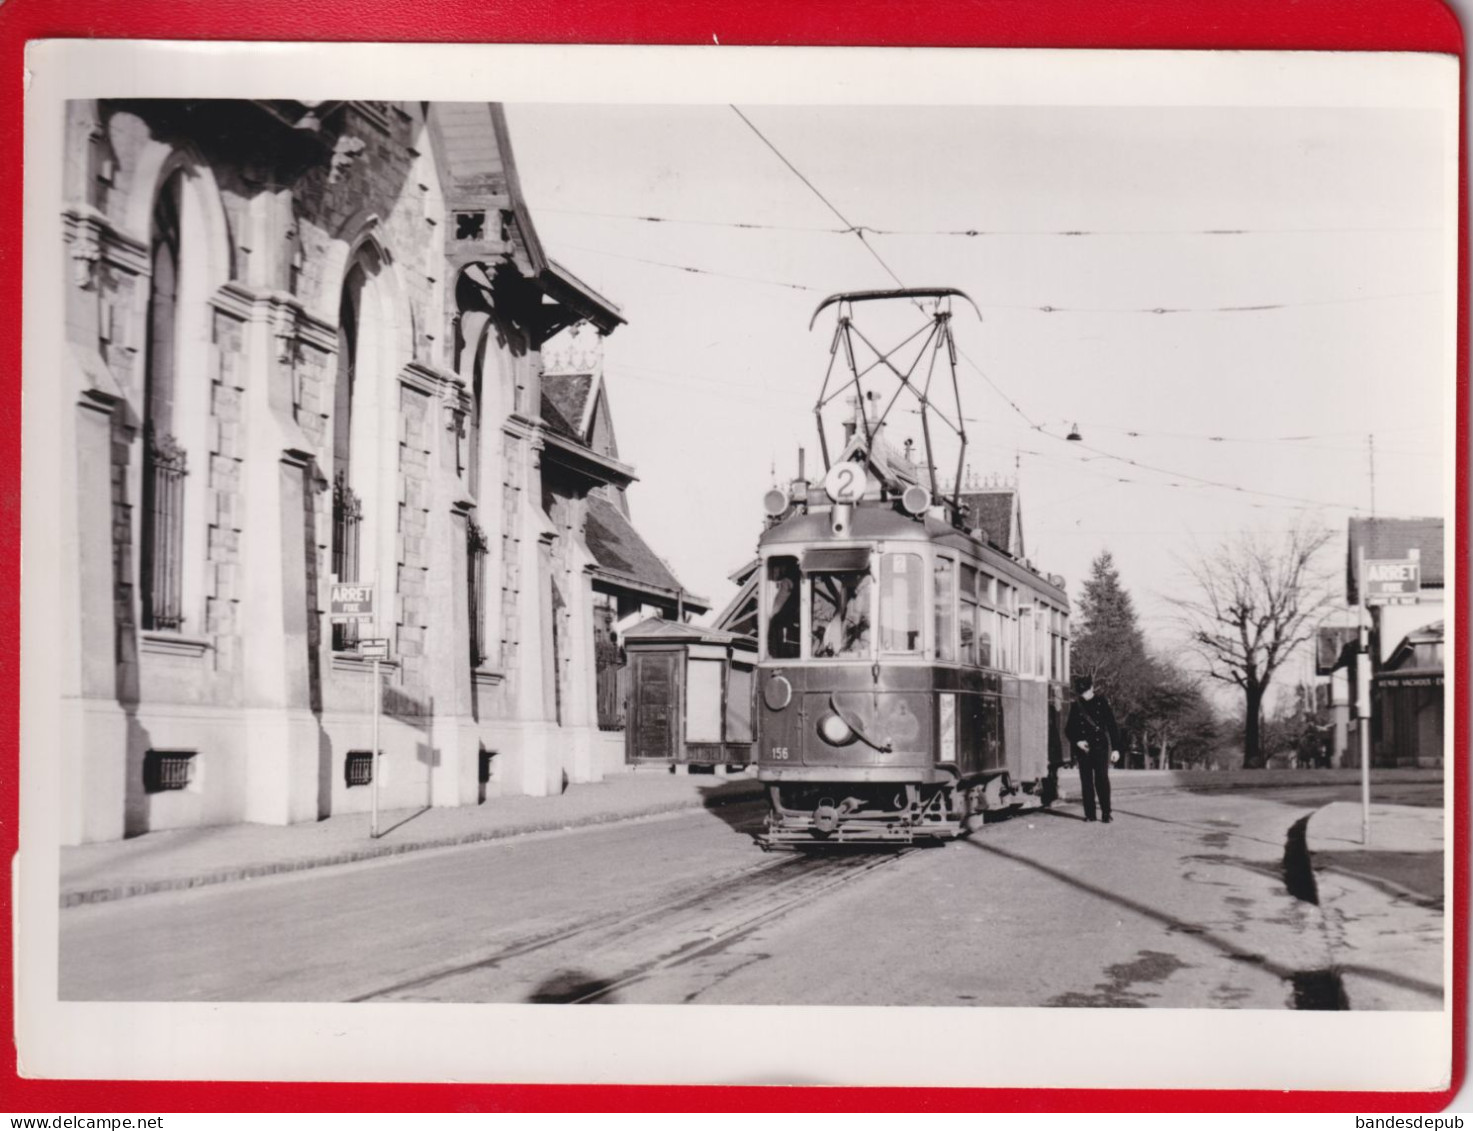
(1327,25)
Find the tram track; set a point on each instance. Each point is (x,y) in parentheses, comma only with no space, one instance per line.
(594,959)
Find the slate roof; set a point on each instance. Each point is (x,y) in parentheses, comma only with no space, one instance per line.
(992,511)
(563,400)
(568,393)
(1392,538)
(624,555)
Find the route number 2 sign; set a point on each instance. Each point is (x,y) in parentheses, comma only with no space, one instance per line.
(845,483)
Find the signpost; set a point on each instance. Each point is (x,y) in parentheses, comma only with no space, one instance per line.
(1363,696)
(1379,581)
(353,602)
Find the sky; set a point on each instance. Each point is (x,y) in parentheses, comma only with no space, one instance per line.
(1107,241)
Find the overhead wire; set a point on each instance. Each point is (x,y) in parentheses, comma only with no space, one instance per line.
(688,269)
(1036,426)
(849,225)
(1039,308)
(976,233)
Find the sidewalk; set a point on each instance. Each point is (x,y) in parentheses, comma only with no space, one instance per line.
(1383,902)
(194,857)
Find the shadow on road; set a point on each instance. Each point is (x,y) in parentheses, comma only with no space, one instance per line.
(573,986)
(1228,948)
(1062,814)
(399,824)
(737,805)
(1205,827)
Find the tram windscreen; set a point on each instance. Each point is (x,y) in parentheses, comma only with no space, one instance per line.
(902,589)
(784,609)
(840,614)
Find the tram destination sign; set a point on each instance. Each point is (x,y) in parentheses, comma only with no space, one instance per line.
(1392,581)
(351,602)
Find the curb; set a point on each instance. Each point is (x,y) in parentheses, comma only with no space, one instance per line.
(1134,781)
(129,889)
(1321,988)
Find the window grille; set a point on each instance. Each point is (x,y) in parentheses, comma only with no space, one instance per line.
(358,769)
(347,525)
(163,538)
(165,770)
(476,546)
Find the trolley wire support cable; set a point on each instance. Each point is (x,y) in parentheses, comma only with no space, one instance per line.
(858,232)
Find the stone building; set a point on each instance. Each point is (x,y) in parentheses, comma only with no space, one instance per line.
(304,344)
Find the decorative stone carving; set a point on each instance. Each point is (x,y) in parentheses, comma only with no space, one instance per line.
(344,153)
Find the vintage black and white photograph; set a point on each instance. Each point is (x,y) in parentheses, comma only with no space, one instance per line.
(976,545)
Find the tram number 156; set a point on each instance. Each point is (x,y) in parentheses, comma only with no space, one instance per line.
(779,753)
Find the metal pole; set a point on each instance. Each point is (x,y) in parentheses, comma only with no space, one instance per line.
(378,695)
(1363,697)
(378,699)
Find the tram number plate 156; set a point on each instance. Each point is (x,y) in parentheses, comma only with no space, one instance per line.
(779,753)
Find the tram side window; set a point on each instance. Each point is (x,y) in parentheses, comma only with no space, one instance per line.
(1053,644)
(1025,640)
(986,621)
(1005,638)
(784,633)
(1040,627)
(945,610)
(968,614)
(901,594)
(840,614)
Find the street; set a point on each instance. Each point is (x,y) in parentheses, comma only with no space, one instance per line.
(1181,902)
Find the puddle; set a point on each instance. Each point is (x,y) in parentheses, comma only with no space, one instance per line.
(1151,966)
(1319,989)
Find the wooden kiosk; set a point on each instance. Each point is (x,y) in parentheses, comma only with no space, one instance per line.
(690,695)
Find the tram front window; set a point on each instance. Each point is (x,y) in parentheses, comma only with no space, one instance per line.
(784,633)
(901,592)
(840,614)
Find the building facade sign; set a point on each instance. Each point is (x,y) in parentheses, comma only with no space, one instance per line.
(351,602)
(1392,581)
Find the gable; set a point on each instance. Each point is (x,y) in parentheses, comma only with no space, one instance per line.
(995,513)
(600,429)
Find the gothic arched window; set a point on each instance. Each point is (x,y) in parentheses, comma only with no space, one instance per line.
(347,506)
(164,463)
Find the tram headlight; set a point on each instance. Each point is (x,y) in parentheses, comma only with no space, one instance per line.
(835,731)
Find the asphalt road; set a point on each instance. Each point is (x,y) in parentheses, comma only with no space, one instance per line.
(1181,902)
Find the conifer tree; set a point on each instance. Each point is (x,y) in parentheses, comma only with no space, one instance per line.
(1108,645)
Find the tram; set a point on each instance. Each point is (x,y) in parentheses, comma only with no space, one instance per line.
(912,675)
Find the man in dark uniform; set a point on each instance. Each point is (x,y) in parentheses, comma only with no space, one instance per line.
(1096,741)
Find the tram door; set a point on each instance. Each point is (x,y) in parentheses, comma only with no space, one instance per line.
(1033,694)
(654,705)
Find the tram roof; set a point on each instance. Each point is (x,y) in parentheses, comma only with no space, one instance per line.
(881,522)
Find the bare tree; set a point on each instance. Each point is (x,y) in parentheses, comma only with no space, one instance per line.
(1173,715)
(1257,600)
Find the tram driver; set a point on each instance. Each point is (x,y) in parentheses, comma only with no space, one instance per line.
(841,614)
